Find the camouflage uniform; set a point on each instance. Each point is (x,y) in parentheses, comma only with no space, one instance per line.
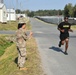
(21,38)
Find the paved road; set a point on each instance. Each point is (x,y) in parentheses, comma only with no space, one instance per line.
(53,59)
(7,32)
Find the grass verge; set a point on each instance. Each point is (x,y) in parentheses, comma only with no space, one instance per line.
(8,61)
(74,27)
(12,26)
(3,44)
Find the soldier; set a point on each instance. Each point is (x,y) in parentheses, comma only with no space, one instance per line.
(21,38)
(64,28)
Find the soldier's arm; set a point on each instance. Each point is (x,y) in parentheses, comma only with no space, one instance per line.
(70,28)
(25,36)
(30,35)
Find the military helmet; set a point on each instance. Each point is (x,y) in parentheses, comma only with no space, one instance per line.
(23,19)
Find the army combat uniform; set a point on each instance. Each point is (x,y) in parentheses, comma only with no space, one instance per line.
(21,38)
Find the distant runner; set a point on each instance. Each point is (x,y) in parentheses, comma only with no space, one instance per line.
(64,28)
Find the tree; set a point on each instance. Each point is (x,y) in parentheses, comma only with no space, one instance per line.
(59,12)
(70,8)
(27,12)
(18,11)
(74,11)
(66,11)
(31,14)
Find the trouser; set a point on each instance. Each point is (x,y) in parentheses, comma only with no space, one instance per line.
(21,56)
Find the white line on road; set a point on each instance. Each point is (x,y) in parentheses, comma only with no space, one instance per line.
(38,32)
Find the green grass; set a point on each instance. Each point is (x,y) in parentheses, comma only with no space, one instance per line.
(74,27)
(3,44)
(8,61)
(12,26)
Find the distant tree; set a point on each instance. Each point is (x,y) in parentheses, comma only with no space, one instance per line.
(60,12)
(54,12)
(70,8)
(27,12)
(43,13)
(18,11)
(66,11)
(31,14)
(74,11)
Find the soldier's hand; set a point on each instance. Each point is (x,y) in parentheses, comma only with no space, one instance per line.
(62,30)
(70,30)
(30,34)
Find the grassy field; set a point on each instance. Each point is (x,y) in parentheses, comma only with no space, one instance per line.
(12,26)
(4,44)
(74,27)
(8,61)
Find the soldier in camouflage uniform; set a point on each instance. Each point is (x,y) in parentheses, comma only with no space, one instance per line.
(21,38)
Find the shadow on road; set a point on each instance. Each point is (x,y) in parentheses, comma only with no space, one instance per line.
(56,49)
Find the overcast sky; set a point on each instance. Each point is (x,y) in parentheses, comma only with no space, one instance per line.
(38,4)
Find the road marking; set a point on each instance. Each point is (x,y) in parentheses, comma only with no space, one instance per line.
(38,32)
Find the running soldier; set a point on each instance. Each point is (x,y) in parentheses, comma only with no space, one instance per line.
(64,28)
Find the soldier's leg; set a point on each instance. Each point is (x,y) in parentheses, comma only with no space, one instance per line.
(62,40)
(66,45)
(22,58)
(22,62)
(19,57)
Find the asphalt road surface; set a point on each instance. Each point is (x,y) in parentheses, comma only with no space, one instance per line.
(7,32)
(54,61)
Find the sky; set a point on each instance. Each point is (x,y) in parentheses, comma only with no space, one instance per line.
(34,5)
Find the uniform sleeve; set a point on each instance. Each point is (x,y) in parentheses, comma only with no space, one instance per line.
(21,34)
(24,35)
(18,34)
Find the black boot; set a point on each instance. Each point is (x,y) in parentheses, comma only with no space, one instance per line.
(65,53)
(59,44)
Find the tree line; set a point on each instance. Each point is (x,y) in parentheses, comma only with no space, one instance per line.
(69,10)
